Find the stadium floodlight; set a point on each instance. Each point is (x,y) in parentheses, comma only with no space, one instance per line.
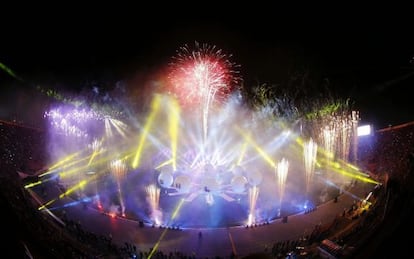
(364,130)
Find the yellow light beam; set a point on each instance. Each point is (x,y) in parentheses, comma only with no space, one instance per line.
(335,166)
(77,186)
(30,185)
(164,164)
(94,154)
(155,105)
(154,249)
(173,130)
(174,215)
(249,140)
(242,153)
(10,72)
(62,161)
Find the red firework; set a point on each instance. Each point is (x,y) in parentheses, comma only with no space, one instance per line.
(202,75)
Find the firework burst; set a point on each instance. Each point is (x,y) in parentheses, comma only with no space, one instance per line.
(201,74)
(202,77)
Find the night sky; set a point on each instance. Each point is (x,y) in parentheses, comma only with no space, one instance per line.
(366,54)
(367,58)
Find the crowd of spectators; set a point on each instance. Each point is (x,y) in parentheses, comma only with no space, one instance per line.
(388,154)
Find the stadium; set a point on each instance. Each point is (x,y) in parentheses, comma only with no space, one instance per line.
(200,166)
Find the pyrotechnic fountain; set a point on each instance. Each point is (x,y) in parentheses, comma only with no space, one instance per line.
(253,196)
(354,136)
(197,156)
(309,154)
(282,172)
(329,136)
(153,193)
(119,169)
